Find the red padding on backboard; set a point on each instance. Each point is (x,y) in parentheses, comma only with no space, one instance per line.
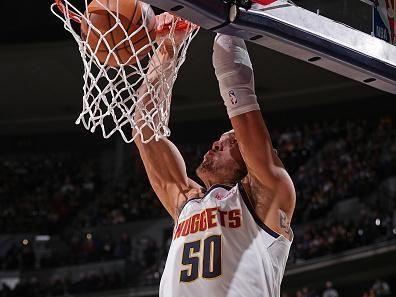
(264,2)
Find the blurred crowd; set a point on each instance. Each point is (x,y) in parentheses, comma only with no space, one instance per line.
(331,236)
(90,282)
(121,204)
(40,193)
(379,288)
(79,249)
(94,281)
(350,165)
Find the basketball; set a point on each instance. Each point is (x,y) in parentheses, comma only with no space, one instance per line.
(122,42)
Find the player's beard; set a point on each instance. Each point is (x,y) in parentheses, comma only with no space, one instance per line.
(214,170)
(206,167)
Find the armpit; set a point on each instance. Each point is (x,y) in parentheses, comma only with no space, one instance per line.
(284,223)
(260,197)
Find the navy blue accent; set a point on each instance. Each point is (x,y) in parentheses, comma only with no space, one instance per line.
(208,260)
(250,22)
(185,203)
(220,26)
(253,212)
(195,246)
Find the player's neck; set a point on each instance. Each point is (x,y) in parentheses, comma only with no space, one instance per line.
(216,181)
(209,182)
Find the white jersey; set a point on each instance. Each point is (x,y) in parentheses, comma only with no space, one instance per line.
(220,248)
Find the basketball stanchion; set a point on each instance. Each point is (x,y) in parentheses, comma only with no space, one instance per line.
(292,30)
(117,40)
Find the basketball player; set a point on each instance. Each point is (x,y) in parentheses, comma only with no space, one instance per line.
(232,236)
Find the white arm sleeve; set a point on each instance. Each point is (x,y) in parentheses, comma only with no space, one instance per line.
(234,73)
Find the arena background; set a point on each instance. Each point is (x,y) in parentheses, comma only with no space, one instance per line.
(77,216)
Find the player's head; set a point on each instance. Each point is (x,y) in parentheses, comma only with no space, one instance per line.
(223,163)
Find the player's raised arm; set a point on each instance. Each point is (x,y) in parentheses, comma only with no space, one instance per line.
(163,162)
(270,184)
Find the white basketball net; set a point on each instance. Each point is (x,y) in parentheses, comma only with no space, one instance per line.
(121,97)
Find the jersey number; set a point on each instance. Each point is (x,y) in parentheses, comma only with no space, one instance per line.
(211,260)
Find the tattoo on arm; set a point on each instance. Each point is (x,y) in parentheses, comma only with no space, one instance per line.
(284,222)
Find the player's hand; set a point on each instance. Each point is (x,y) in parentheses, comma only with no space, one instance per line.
(172,31)
(164,22)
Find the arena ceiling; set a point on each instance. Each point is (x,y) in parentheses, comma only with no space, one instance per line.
(41,78)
